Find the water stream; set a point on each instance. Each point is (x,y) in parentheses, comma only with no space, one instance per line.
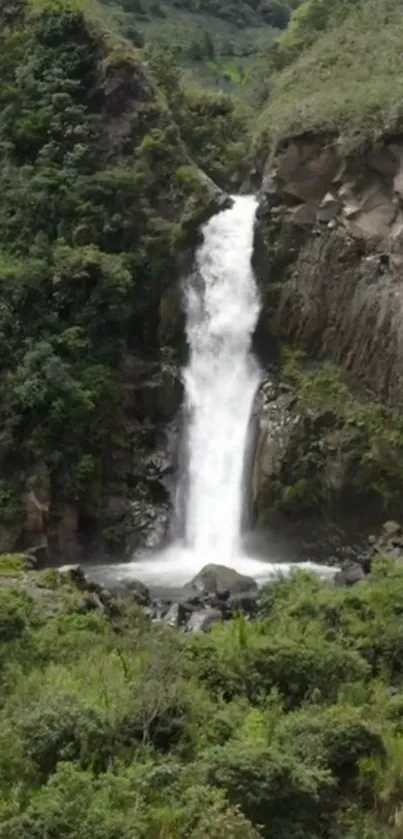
(221,379)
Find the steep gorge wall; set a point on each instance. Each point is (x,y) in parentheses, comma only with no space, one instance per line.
(329,260)
(329,256)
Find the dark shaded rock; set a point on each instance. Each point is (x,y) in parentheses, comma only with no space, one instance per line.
(134,590)
(350,574)
(176,615)
(329,256)
(391,529)
(390,542)
(214,578)
(139,592)
(75,574)
(90,602)
(146,524)
(247,601)
(203,621)
(39,555)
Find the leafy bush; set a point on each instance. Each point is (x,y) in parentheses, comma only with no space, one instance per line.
(89,227)
(288,726)
(337,68)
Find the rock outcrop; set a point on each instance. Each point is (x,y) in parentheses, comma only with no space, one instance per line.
(329,256)
(326,464)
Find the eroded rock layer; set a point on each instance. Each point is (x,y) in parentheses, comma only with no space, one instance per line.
(329,256)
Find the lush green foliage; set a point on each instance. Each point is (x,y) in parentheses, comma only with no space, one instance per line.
(350,449)
(93,209)
(211,124)
(340,68)
(212,40)
(288,727)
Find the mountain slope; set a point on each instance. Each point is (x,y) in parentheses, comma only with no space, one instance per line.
(98,196)
(213,41)
(337,68)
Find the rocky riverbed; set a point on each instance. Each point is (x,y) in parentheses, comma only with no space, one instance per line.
(216,594)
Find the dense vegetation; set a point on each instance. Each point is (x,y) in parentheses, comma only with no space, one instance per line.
(347,453)
(288,727)
(214,41)
(97,197)
(338,67)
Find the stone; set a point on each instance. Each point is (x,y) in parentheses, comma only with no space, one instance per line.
(90,602)
(398,183)
(329,208)
(350,574)
(74,573)
(39,554)
(213,578)
(135,590)
(381,159)
(305,214)
(203,621)
(391,528)
(66,533)
(139,592)
(115,508)
(176,615)
(374,223)
(247,602)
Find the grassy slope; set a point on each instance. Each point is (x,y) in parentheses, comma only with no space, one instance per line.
(180,28)
(350,79)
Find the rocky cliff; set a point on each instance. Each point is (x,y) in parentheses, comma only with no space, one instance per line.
(329,258)
(328,255)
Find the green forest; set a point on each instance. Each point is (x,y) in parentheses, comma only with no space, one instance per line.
(123,126)
(288,726)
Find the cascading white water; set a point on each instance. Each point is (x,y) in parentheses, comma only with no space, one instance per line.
(220,381)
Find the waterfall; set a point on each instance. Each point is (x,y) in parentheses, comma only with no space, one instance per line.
(221,380)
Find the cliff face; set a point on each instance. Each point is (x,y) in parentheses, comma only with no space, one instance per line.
(98,198)
(329,255)
(329,258)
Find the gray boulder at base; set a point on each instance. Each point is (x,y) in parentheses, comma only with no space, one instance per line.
(214,578)
(203,621)
(350,574)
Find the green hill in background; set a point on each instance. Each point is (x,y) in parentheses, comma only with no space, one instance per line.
(338,68)
(215,42)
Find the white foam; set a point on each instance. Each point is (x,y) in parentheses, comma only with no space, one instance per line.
(221,379)
(177,566)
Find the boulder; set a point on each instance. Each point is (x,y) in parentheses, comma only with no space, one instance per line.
(176,615)
(203,621)
(350,574)
(215,578)
(134,590)
(244,601)
(39,554)
(390,542)
(74,574)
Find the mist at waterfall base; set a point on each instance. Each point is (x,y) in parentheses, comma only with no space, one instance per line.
(220,380)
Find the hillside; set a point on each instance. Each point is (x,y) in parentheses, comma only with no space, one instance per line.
(98,197)
(338,68)
(215,42)
(329,250)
